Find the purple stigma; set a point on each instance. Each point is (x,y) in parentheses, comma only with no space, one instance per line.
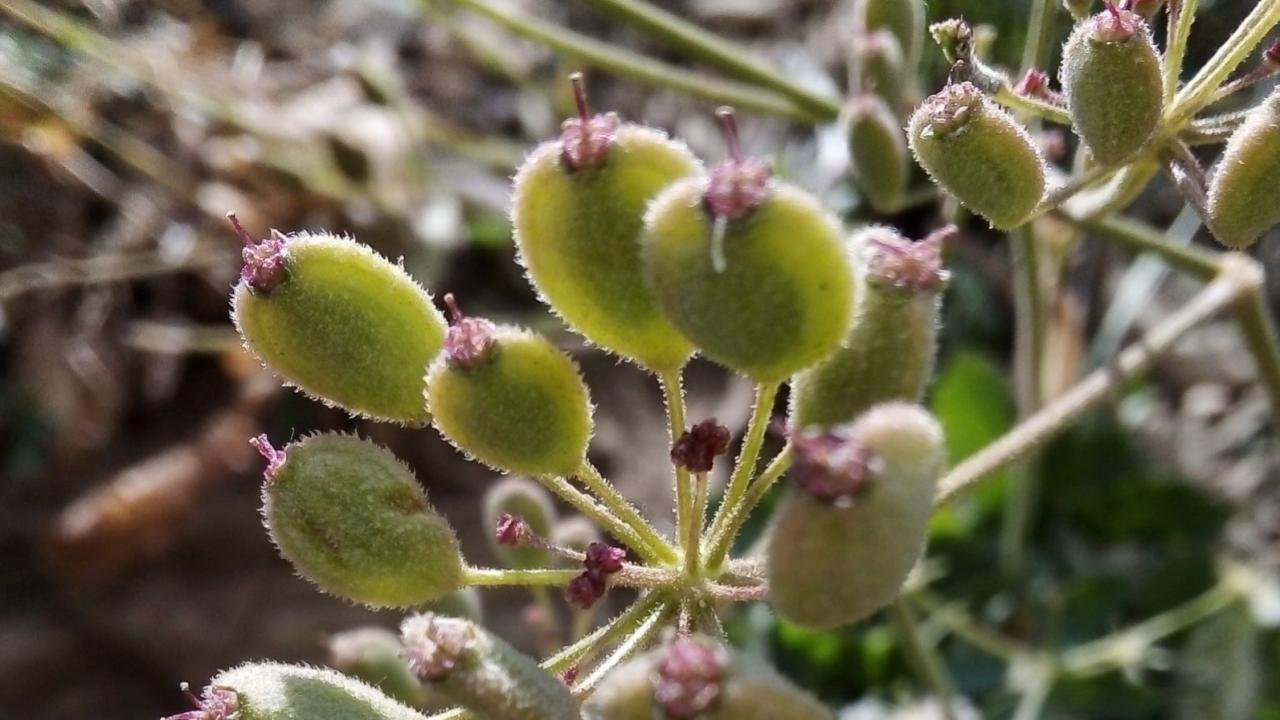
(264,262)
(740,184)
(275,457)
(470,341)
(584,140)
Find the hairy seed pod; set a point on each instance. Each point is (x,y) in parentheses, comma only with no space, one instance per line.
(353,519)
(340,322)
(481,672)
(843,542)
(578,225)
(510,399)
(890,351)
(696,677)
(273,691)
(1112,79)
(877,153)
(372,654)
(904,18)
(752,270)
(524,499)
(1242,191)
(979,154)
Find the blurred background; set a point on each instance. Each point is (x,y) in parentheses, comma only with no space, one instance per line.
(132,555)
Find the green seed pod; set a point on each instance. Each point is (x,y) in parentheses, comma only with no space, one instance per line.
(877,67)
(750,269)
(1242,191)
(1113,82)
(578,216)
(979,154)
(526,500)
(372,654)
(272,691)
(842,544)
(877,153)
(510,399)
(695,677)
(352,519)
(479,671)
(904,18)
(338,321)
(890,351)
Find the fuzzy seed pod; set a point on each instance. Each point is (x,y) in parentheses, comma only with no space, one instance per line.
(1112,79)
(979,154)
(890,351)
(526,500)
(1242,192)
(340,322)
(578,225)
(904,18)
(372,654)
(843,542)
(877,153)
(510,399)
(353,519)
(696,677)
(273,691)
(481,672)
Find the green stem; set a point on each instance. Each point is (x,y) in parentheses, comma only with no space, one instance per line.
(923,657)
(624,63)
(745,467)
(591,508)
(686,530)
(1039,33)
(641,635)
(1183,15)
(1200,89)
(710,48)
(503,577)
(1007,96)
(969,629)
(1140,237)
(1258,327)
(722,540)
(591,478)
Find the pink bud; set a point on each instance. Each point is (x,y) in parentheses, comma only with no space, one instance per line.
(697,448)
(740,184)
(604,558)
(275,457)
(215,703)
(690,677)
(512,531)
(832,465)
(469,341)
(585,590)
(264,262)
(584,140)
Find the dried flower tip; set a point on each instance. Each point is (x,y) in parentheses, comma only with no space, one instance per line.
(215,703)
(586,589)
(895,261)
(584,140)
(951,108)
(513,531)
(697,448)
(690,677)
(832,465)
(1115,25)
(469,341)
(264,262)
(433,645)
(954,37)
(740,184)
(604,558)
(275,457)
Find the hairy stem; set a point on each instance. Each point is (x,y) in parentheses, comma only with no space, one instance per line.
(1182,14)
(1140,237)
(1200,89)
(745,467)
(923,657)
(686,525)
(641,635)
(602,516)
(1035,107)
(721,541)
(591,478)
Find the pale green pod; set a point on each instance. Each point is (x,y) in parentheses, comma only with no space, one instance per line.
(890,351)
(878,153)
(904,18)
(528,501)
(372,654)
(1113,83)
(877,66)
(978,154)
(354,520)
(767,294)
(273,691)
(1242,192)
(524,409)
(578,232)
(835,559)
(341,323)
(481,672)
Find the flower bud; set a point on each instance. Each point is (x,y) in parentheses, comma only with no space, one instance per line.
(877,153)
(1242,192)
(339,322)
(889,353)
(481,672)
(525,500)
(979,154)
(904,18)
(523,409)
(353,519)
(372,654)
(273,691)
(578,227)
(1112,79)
(698,447)
(843,542)
(750,269)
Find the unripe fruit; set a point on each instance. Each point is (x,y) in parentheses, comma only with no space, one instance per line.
(890,351)
(979,154)
(479,671)
(877,66)
(352,519)
(578,224)
(1242,192)
(904,18)
(526,500)
(338,321)
(510,399)
(372,654)
(877,153)
(272,691)
(750,269)
(842,543)
(1112,78)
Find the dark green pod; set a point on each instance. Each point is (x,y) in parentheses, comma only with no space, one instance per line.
(978,154)
(889,353)
(578,231)
(352,519)
(843,543)
(904,18)
(340,322)
(272,691)
(878,153)
(1242,192)
(1113,82)
(526,500)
